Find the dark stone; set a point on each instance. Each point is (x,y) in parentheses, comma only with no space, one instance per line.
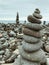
(37,11)
(31,33)
(32,19)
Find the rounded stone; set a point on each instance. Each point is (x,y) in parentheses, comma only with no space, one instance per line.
(31,39)
(37,11)
(26,62)
(33,26)
(3,40)
(8,54)
(32,19)
(31,33)
(37,15)
(31,47)
(2,52)
(47,48)
(37,56)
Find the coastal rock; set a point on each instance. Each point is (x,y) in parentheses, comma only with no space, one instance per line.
(34,56)
(30,39)
(47,48)
(8,54)
(31,47)
(11,33)
(37,11)
(3,39)
(37,15)
(11,59)
(1,35)
(33,26)
(31,33)
(32,19)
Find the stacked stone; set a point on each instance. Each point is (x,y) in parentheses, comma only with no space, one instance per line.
(30,51)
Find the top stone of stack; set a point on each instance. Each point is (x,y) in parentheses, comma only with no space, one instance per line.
(35,18)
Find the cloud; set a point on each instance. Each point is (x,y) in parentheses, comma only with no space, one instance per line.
(9,8)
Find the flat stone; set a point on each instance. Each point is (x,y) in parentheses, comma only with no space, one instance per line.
(1,35)
(32,19)
(30,39)
(37,11)
(37,56)
(47,48)
(37,15)
(12,33)
(31,47)
(33,26)
(26,62)
(31,33)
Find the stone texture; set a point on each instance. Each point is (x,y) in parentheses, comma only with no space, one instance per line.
(37,15)
(26,62)
(31,32)
(31,47)
(34,56)
(37,11)
(2,52)
(30,39)
(32,19)
(33,26)
(1,35)
(31,42)
(47,48)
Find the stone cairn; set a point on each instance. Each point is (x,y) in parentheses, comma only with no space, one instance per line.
(30,51)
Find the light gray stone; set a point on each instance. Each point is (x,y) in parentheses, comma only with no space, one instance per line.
(30,39)
(37,15)
(31,47)
(33,19)
(8,54)
(2,52)
(33,26)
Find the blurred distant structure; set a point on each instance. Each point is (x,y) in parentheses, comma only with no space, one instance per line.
(17,19)
(44,22)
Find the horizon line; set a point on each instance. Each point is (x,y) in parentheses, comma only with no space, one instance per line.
(22,18)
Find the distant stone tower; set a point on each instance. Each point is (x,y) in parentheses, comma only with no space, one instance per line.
(17,19)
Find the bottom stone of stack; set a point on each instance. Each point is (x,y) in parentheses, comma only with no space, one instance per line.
(38,56)
(26,62)
(21,61)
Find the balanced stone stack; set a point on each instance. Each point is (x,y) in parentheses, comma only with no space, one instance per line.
(30,51)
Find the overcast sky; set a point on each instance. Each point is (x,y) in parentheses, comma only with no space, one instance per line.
(9,8)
